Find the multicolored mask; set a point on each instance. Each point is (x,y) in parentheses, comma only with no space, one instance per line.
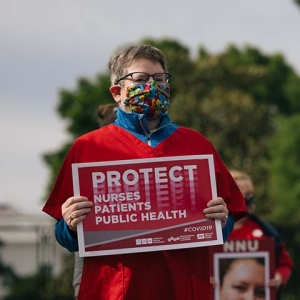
(149,99)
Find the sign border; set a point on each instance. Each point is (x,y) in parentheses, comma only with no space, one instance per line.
(80,233)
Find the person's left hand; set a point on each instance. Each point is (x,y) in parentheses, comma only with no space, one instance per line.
(216,209)
(276,281)
(75,210)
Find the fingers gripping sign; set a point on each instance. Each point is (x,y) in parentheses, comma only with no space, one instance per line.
(217,209)
(75,210)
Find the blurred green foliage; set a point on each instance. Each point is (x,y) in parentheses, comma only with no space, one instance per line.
(43,285)
(285,171)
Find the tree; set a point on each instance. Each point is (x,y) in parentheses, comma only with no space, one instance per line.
(285,171)
(41,286)
(284,187)
(234,104)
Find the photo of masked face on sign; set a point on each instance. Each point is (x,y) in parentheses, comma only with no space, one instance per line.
(241,270)
(242,278)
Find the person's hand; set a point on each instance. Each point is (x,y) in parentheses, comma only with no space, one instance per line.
(75,209)
(276,281)
(217,209)
(212,281)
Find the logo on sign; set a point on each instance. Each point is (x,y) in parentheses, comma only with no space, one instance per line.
(173,239)
(144,241)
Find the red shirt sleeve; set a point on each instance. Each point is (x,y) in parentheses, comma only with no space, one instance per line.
(285,265)
(62,189)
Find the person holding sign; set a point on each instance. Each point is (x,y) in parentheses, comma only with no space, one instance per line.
(140,85)
(252,227)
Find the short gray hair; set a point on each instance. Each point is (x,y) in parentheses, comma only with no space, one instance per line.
(125,56)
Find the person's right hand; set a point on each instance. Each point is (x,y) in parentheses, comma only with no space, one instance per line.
(75,210)
(276,281)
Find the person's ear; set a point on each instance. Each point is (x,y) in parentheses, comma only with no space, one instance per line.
(115,90)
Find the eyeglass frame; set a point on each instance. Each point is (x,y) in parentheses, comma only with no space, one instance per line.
(149,75)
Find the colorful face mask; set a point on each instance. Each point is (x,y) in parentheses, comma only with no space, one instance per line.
(149,99)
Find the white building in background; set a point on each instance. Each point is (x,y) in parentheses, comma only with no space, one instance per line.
(27,242)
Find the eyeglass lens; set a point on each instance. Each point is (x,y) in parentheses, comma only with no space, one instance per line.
(143,78)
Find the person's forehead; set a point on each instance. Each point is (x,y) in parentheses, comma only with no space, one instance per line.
(245,185)
(145,65)
(248,272)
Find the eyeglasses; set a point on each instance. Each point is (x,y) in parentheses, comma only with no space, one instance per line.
(142,78)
